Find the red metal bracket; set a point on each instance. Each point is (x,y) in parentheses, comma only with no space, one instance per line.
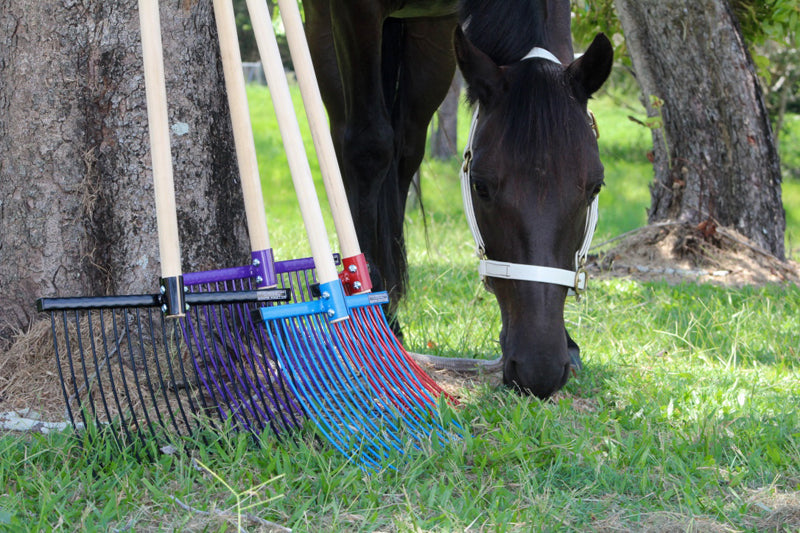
(355,275)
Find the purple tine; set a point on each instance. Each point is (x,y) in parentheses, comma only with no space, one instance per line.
(237,368)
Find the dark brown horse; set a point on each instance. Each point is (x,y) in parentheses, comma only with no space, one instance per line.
(384,66)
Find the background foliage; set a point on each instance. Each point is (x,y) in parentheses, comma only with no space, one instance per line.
(770,27)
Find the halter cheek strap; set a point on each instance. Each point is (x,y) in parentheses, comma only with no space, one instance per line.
(576,279)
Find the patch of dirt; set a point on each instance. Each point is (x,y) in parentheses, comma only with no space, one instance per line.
(678,253)
(458,383)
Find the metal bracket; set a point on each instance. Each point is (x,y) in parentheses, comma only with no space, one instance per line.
(173,297)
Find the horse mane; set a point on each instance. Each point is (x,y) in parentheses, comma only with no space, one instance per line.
(506,30)
(538,112)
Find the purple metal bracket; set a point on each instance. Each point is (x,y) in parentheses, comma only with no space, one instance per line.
(263,266)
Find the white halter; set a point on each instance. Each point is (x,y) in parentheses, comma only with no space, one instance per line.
(574,279)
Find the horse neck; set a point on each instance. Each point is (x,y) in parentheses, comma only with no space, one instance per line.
(507,30)
(558,30)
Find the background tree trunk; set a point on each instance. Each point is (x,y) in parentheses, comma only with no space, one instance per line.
(714,150)
(443,137)
(76,194)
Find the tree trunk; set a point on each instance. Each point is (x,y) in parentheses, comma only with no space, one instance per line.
(443,138)
(714,150)
(76,194)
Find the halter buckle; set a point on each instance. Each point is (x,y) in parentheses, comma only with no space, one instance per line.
(581,279)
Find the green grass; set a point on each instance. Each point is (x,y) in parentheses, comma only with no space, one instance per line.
(789,140)
(790,161)
(685,417)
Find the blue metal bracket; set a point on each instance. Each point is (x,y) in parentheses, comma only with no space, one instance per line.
(332,303)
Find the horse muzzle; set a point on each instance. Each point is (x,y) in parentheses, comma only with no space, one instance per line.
(541,381)
(536,354)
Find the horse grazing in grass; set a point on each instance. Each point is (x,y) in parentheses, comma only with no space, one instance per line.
(532,171)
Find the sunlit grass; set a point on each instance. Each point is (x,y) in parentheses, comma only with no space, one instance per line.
(687,407)
(789,144)
(791,203)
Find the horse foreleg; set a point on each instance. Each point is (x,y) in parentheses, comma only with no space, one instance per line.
(428,54)
(344,39)
(367,138)
(319,34)
(427,68)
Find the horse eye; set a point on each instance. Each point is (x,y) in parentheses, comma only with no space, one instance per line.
(596,190)
(480,188)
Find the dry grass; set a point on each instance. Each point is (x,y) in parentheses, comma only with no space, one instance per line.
(703,254)
(28,375)
(782,510)
(660,522)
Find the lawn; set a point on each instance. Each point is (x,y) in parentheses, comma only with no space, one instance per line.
(684,419)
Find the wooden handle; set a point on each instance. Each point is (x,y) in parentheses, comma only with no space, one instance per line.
(158,125)
(292,141)
(317,118)
(242,128)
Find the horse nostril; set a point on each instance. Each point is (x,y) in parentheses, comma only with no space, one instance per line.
(510,375)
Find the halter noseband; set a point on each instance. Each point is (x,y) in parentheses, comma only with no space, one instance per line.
(576,279)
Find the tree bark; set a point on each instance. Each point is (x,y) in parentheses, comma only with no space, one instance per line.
(76,193)
(714,150)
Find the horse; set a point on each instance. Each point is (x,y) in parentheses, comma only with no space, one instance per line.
(533,169)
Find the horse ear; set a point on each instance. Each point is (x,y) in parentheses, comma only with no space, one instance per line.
(484,78)
(590,71)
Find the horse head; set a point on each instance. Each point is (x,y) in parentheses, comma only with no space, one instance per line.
(532,174)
